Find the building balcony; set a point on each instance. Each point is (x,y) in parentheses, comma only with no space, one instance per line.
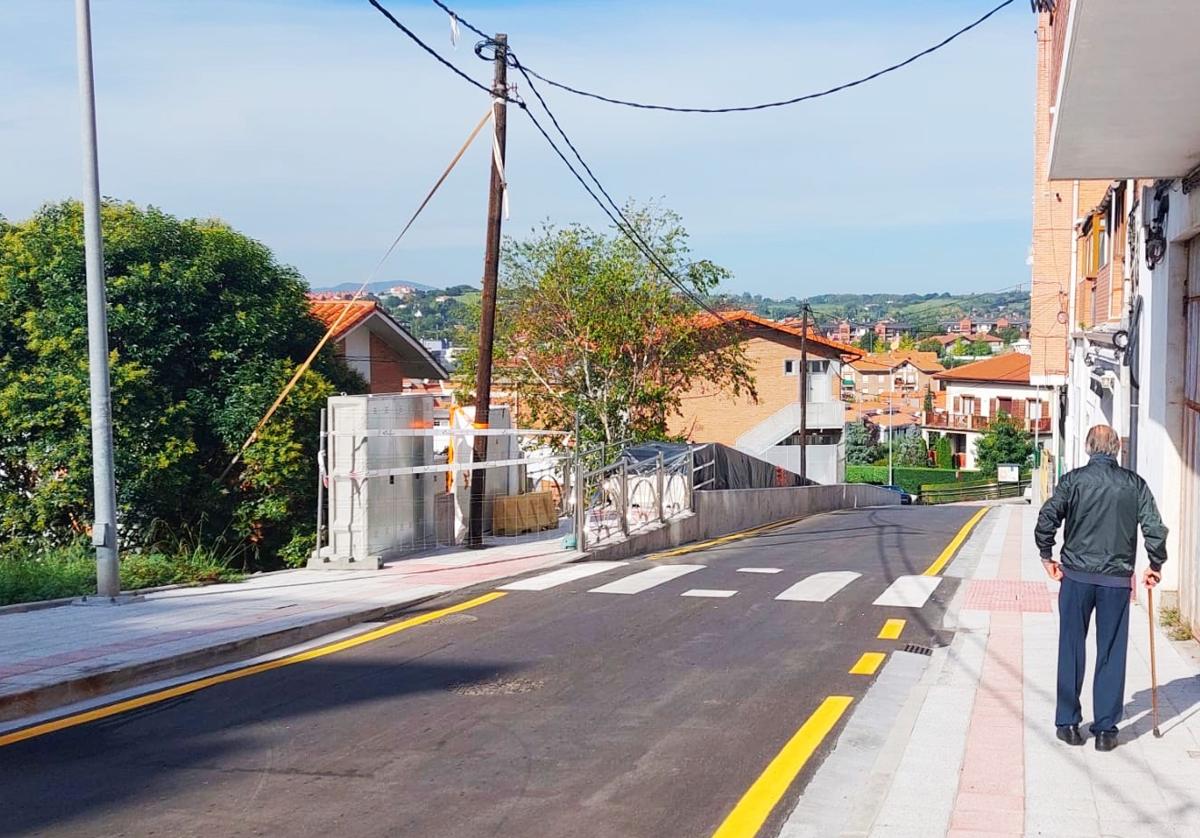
(955,422)
(1126,106)
(939,421)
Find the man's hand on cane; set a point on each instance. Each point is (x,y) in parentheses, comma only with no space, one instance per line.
(1151,577)
(1053,568)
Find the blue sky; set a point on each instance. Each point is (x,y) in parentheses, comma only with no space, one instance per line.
(316,127)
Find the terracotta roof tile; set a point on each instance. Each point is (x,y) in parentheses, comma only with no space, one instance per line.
(706,321)
(1012,367)
(328,311)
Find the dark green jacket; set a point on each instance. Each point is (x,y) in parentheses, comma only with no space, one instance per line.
(1102,504)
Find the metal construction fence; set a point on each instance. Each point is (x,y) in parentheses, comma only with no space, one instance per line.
(393,483)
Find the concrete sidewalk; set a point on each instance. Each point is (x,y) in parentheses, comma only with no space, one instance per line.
(56,656)
(973,751)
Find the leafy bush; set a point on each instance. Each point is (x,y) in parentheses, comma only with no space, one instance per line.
(1004,442)
(205,327)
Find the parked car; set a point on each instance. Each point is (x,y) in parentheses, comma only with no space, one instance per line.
(905,498)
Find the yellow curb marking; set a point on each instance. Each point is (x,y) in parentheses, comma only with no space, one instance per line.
(891,630)
(724,539)
(868,663)
(203,683)
(752,810)
(942,560)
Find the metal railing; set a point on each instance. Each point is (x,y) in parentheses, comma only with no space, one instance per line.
(621,498)
(933,494)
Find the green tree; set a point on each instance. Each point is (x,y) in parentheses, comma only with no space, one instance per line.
(907,342)
(862,443)
(944,452)
(1009,334)
(930,345)
(1005,441)
(868,341)
(586,324)
(927,404)
(204,328)
(911,449)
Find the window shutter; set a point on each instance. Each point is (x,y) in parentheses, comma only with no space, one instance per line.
(958,404)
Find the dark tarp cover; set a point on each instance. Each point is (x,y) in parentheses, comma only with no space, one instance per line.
(727,467)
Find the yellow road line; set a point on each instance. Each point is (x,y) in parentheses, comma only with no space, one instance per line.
(724,539)
(203,683)
(752,810)
(946,555)
(891,630)
(867,664)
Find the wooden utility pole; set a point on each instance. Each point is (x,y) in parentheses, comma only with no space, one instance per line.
(491,270)
(804,396)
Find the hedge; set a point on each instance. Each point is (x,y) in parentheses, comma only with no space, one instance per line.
(908,478)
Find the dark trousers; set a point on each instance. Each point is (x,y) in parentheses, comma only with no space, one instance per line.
(1076,602)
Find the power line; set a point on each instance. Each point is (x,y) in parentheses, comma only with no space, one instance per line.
(743,108)
(444,61)
(630,230)
(625,228)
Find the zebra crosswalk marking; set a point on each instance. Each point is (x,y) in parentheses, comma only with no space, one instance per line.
(819,587)
(563,575)
(647,579)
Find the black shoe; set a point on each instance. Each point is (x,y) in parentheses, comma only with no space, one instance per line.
(1106,740)
(1070,734)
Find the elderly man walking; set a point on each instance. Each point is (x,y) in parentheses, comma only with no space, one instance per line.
(1102,505)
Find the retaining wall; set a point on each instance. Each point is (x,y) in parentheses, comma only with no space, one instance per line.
(731,510)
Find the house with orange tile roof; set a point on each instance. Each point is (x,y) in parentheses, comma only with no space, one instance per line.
(977,393)
(375,346)
(769,427)
(898,372)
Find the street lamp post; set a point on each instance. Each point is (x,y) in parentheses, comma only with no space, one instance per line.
(891,422)
(104,528)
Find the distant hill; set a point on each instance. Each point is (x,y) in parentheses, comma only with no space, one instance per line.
(376,287)
(924,311)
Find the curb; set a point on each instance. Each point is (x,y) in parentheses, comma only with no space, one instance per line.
(51,696)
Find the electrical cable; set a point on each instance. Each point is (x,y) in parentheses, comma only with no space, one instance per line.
(444,61)
(744,108)
(629,230)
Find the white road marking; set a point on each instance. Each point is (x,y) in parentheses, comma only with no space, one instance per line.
(647,579)
(760,570)
(561,576)
(819,587)
(708,592)
(909,591)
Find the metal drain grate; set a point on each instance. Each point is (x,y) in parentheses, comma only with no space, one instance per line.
(917,649)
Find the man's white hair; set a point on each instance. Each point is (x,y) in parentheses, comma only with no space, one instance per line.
(1102,439)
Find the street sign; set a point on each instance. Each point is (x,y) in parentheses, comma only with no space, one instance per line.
(1008,473)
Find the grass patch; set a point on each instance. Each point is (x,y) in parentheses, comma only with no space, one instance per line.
(53,573)
(1169,619)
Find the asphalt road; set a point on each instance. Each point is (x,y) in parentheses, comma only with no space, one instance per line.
(556,712)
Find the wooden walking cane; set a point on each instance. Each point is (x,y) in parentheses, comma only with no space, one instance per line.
(1153,666)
